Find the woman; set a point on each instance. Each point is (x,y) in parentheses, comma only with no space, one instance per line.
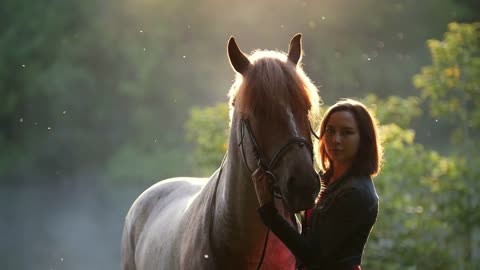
(337,228)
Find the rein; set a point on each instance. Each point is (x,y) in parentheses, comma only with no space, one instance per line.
(267,168)
(214,202)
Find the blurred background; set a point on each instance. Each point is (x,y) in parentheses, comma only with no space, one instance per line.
(101,99)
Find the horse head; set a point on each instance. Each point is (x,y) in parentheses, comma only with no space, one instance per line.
(272,101)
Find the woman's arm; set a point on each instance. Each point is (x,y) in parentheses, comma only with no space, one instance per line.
(343,218)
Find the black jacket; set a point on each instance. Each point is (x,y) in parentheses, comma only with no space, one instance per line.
(338,228)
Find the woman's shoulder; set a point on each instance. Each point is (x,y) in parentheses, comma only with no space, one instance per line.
(360,182)
(361,188)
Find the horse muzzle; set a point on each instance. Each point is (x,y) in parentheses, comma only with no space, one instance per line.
(302,191)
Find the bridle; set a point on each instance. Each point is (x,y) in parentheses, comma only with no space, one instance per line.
(260,159)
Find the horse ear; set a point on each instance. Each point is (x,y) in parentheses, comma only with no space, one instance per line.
(295,49)
(238,60)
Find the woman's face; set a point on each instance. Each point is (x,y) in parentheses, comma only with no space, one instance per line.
(341,138)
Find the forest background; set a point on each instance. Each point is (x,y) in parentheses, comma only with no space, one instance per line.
(101,99)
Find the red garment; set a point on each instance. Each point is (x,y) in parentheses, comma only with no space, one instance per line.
(308,214)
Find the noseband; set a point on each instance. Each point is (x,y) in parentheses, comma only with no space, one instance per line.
(260,158)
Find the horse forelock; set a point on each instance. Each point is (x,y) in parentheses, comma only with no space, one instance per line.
(271,84)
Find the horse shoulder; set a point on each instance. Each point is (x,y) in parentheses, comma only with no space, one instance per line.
(155,214)
(162,195)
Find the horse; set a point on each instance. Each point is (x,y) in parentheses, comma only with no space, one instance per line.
(190,223)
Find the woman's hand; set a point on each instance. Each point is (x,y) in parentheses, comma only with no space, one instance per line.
(263,186)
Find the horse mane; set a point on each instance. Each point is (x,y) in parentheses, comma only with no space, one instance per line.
(271,83)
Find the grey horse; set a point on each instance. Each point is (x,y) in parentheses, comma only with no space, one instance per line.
(199,223)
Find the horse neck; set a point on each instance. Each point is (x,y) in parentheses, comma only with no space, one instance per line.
(236,210)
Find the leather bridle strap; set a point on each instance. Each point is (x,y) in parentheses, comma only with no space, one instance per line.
(313,132)
(261,160)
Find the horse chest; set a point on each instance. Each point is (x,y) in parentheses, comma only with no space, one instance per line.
(278,256)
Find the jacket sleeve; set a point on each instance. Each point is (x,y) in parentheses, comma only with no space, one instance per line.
(345,215)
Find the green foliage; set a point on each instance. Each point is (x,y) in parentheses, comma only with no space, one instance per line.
(156,163)
(436,215)
(452,83)
(394,109)
(85,81)
(207,128)
(79,86)
(410,232)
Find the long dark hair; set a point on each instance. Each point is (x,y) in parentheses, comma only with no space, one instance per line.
(368,160)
